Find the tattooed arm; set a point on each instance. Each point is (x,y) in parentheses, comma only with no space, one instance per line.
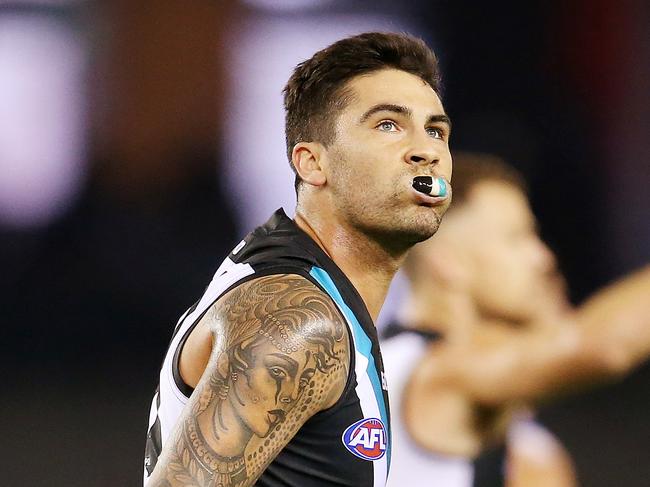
(280,353)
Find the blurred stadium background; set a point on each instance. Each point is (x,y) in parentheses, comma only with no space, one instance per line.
(139,140)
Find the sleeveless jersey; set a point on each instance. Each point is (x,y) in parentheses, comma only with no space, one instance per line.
(403,348)
(412,465)
(345,445)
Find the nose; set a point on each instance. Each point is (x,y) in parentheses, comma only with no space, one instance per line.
(422,157)
(290,392)
(422,151)
(544,256)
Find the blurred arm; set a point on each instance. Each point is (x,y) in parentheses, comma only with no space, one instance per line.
(616,322)
(608,336)
(276,339)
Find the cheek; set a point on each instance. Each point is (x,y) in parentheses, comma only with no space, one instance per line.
(258,387)
(362,167)
(354,179)
(499,274)
(446,164)
(493,261)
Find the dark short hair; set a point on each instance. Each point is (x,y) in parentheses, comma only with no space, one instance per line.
(471,168)
(316,91)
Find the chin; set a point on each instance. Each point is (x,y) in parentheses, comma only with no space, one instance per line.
(522,318)
(401,229)
(422,228)
(421,234)
(405,236)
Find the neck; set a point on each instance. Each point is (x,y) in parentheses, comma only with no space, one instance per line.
(368,265)
(440,308)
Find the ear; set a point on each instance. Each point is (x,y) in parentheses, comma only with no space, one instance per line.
(307,158)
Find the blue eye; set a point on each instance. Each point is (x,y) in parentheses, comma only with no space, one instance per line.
(387,126)
(435,132)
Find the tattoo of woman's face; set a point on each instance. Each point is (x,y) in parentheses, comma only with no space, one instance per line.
(266,391)
(275,338)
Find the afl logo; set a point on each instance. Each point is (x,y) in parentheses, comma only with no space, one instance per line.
(366,439)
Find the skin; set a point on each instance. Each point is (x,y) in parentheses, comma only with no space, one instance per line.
(512,268)
(356,199)
(536,459)
(280,354)
(510,338)
(356,202)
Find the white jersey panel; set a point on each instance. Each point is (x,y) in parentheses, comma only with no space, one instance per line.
(171,398)
(410,464)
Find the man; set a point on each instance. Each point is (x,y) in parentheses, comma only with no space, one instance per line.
(275,377)
(486,331)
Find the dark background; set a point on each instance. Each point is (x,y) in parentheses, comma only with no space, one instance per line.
(88,298)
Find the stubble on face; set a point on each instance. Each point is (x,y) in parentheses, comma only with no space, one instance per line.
(380,214)
(370,173)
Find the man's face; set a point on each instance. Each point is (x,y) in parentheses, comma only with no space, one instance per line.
(393,129)
(512,273)
(270,387)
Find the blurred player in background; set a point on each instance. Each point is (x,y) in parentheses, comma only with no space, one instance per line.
(486,332)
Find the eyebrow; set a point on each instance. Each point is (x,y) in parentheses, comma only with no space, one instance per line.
(440,119)
(402,110)
(386,107)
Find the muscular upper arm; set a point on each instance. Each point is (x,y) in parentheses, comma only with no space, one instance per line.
(280,354)
(608,336)
(516,366)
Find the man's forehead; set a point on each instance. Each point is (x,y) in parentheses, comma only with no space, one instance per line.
(394,87)
(499,201)
(498,192)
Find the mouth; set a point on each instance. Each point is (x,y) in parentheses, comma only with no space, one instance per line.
(426,200)
(276,416)
(430,190)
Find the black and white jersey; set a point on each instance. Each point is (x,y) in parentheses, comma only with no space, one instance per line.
(412,465)
(403,349)
(345,445)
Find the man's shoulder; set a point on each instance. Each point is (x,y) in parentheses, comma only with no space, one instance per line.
(279,355)
(284,290)
(284,314)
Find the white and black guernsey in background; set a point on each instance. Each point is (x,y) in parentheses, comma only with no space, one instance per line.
(345,445)
(404,348)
